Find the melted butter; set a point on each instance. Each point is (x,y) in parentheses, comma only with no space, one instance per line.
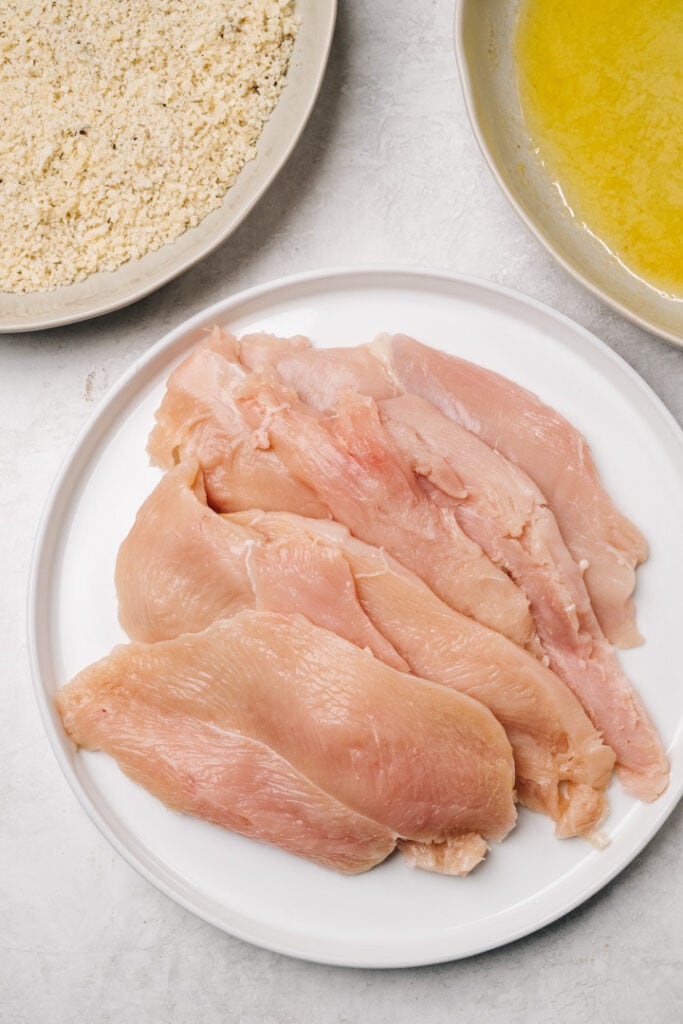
(601,88)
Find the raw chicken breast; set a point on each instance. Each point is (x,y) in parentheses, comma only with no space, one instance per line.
(454,857)
(537,558)
(303,716)
(562,765)
(222,777)
(182,566)
(175,539)
(353,468)
(318,375)
(260,447)
(553,453)
(197,417)
(212,565)
(506,417)
(501,508)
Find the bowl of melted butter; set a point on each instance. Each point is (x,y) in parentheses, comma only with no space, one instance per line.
(578,107)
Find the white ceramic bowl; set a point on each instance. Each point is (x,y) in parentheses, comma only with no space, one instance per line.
(103,292)
(484,40)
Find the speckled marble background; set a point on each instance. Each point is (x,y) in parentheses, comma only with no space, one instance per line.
(387,171)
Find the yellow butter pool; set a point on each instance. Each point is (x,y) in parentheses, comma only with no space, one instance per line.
(601,88)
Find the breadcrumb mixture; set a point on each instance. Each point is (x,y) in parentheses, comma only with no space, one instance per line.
(124,122)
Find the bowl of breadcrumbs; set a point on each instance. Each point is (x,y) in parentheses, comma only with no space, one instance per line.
(135,136)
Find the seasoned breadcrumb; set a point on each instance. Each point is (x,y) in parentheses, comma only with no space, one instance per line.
(124,122)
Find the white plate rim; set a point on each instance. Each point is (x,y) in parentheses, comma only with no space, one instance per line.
(462,62)
(158,279)
(109,408)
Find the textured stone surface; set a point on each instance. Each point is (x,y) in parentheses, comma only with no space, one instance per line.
(387,171)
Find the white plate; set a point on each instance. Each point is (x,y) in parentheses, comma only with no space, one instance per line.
(108,290)
(484,38)
(391,916)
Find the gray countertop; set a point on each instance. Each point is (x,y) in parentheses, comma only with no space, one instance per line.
(387,171)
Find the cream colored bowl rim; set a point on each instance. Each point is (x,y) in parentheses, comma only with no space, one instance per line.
(462,59)
(105,292)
